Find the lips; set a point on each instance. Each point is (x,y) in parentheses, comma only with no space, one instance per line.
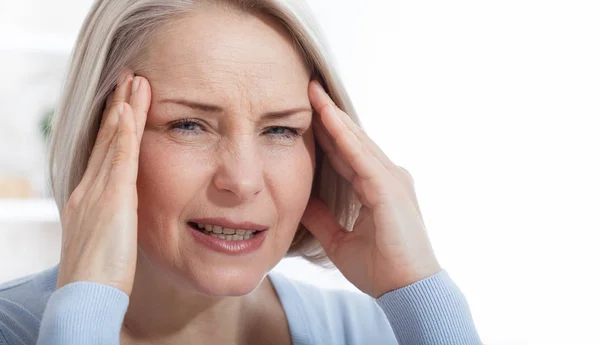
(226,236)
(229,224)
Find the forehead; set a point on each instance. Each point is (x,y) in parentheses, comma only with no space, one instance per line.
(227,55)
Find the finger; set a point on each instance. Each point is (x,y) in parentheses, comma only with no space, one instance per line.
(320,222)
(101,179)
(123,90)
(109,101)
(321,99)
(106,132)
(326,143)
(111,113)
(117,170)
(124,161)
(352,151)
(140,103)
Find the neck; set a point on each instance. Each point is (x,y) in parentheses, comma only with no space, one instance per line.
(161,310)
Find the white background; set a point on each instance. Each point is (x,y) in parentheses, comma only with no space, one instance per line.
(493,106)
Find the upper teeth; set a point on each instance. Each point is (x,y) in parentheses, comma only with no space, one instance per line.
(227,231)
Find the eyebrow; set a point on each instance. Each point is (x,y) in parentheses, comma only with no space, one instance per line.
(211,108)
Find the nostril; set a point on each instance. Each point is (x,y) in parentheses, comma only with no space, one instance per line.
(240,181)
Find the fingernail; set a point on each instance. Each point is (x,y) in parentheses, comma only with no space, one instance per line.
(136,84)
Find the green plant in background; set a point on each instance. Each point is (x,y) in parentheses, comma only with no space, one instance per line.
(46,123)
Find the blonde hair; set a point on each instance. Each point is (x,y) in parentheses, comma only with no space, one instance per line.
(115,32)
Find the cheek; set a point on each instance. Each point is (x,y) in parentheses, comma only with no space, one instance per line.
(168,178)
(162,172)
(290,176)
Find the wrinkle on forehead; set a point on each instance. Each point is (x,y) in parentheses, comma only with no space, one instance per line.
(236,60)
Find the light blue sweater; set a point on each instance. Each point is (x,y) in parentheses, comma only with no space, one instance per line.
(432,311)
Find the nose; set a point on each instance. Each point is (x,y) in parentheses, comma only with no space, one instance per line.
(240,172)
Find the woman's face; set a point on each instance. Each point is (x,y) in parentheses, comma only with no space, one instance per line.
(228,136)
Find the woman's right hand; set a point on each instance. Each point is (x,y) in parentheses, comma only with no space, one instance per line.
(99,222)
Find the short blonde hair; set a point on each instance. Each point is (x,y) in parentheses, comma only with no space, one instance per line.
(115,32)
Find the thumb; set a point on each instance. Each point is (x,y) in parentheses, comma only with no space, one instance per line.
(320,222)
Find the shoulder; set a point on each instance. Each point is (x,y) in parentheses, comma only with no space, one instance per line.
(328,316)
(22,304)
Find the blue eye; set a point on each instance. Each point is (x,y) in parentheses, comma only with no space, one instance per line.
(284,132)
(187,127)
(192,127)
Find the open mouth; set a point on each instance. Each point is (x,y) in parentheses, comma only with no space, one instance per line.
(223,233)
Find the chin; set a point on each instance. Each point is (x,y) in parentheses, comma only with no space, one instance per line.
(222,281)
(197,270)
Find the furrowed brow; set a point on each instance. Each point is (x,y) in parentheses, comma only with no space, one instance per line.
(211,108)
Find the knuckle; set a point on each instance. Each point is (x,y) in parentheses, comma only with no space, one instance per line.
(128,125)
(121,155)
(116,104)
(76,197)
(126,106)
(358,152)
(73,203)
(102,138)
(109,122)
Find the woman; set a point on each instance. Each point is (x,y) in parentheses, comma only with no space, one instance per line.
(218,153)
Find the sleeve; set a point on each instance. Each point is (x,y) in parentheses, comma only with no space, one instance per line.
(83,313)
(432,311)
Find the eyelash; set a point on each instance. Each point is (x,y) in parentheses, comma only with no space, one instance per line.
(291,132)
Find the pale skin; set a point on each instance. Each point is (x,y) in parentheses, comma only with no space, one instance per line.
(145,177)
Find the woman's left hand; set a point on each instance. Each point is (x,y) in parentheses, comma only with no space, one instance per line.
(388,247)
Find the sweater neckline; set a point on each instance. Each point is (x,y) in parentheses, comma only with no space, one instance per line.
(287,293)
(289,297)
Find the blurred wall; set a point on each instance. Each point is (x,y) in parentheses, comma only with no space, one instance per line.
(35,40)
